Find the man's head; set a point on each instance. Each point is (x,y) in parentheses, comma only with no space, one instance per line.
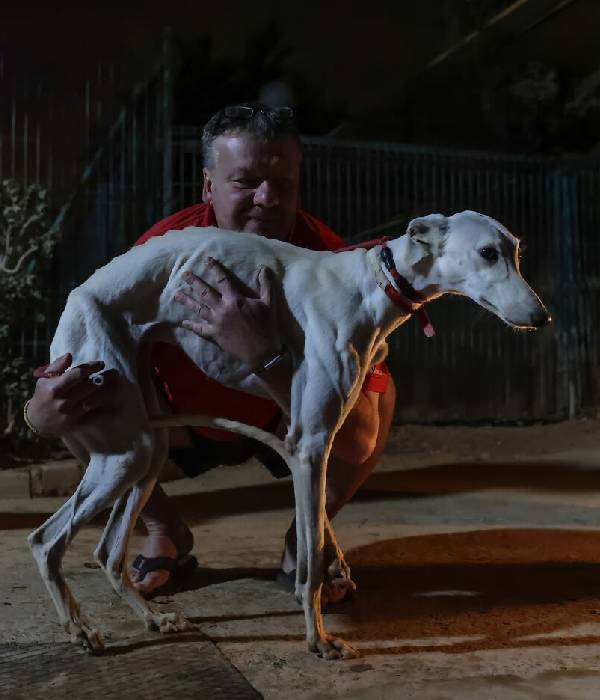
(252,156)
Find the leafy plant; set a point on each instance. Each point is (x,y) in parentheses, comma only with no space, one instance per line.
(27,243)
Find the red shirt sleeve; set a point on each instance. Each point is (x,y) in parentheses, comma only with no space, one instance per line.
(197,215)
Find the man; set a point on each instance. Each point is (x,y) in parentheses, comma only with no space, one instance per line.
(252,161)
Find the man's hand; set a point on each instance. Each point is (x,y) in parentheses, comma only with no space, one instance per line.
(62,399)
(240,321)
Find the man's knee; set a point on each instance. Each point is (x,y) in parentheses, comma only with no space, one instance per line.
(359,451)
(370,436)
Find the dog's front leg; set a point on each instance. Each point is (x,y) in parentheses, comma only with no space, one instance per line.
(316,411)
(338,584)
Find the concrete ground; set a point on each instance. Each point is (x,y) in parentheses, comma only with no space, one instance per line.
(476,552)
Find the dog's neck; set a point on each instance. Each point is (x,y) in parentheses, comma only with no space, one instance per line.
(419,272)
(396,286)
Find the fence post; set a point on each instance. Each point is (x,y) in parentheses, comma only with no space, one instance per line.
(564,232)
(167,121)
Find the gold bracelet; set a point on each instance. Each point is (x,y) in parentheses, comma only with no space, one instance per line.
(28,422)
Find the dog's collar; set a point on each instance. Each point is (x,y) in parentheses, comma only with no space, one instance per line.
(401,291)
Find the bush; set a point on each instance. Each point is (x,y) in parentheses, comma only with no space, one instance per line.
(27,244)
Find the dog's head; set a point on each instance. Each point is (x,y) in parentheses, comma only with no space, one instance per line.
(472,254)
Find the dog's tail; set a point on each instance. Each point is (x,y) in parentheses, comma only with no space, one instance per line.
(234,426)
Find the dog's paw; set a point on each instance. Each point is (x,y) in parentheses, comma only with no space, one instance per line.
(87,636)
(168,623)
(333,648)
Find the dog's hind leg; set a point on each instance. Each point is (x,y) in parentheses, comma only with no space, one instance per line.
(103,483)
(47,545)
(111,554)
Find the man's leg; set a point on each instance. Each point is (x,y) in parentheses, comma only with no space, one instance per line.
(348,470)
(167,536)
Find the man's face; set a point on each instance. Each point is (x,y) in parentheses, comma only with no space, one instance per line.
(253,185)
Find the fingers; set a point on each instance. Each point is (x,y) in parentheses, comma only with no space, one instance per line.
(199,308)
(54,369)
(199,328)
(61,402)
(88,396)
(265,284)
(224,279)
(200,290)
(74,378)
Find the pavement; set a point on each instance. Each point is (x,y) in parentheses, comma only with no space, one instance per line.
(476,552)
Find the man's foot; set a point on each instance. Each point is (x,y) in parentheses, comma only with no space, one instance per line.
(180,572)
(164,562)
(331,593)
(337,587)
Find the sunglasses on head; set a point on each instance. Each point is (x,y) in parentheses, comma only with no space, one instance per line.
(248,111)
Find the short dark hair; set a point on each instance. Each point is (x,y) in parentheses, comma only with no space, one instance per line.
(254,118)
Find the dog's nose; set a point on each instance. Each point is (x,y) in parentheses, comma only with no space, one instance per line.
(540,318)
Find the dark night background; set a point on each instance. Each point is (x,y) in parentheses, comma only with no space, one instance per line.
(404,107)
(357,70)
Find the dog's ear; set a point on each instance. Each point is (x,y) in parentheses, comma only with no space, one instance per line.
(427,233)
(419,231)
(428,229)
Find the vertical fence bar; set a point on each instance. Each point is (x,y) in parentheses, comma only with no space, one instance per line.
(13,128)
(25,148)
(167,108)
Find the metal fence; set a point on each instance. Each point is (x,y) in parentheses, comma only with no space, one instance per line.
(46,137)
(124,188)
(476,368)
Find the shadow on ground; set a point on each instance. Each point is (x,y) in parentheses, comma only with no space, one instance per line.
(488,589)
(424,482)
(497,587)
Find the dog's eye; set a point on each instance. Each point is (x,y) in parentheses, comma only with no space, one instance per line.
(489,254)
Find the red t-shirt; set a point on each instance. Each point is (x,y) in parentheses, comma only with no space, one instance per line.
(187,388)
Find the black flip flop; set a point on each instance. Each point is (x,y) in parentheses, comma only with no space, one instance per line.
(180,572)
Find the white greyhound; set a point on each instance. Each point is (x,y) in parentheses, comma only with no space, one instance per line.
(334,321)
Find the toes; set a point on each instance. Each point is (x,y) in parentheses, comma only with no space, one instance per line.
(168,623)
(149,582)
(90,639)
(347,651)
(333,648)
